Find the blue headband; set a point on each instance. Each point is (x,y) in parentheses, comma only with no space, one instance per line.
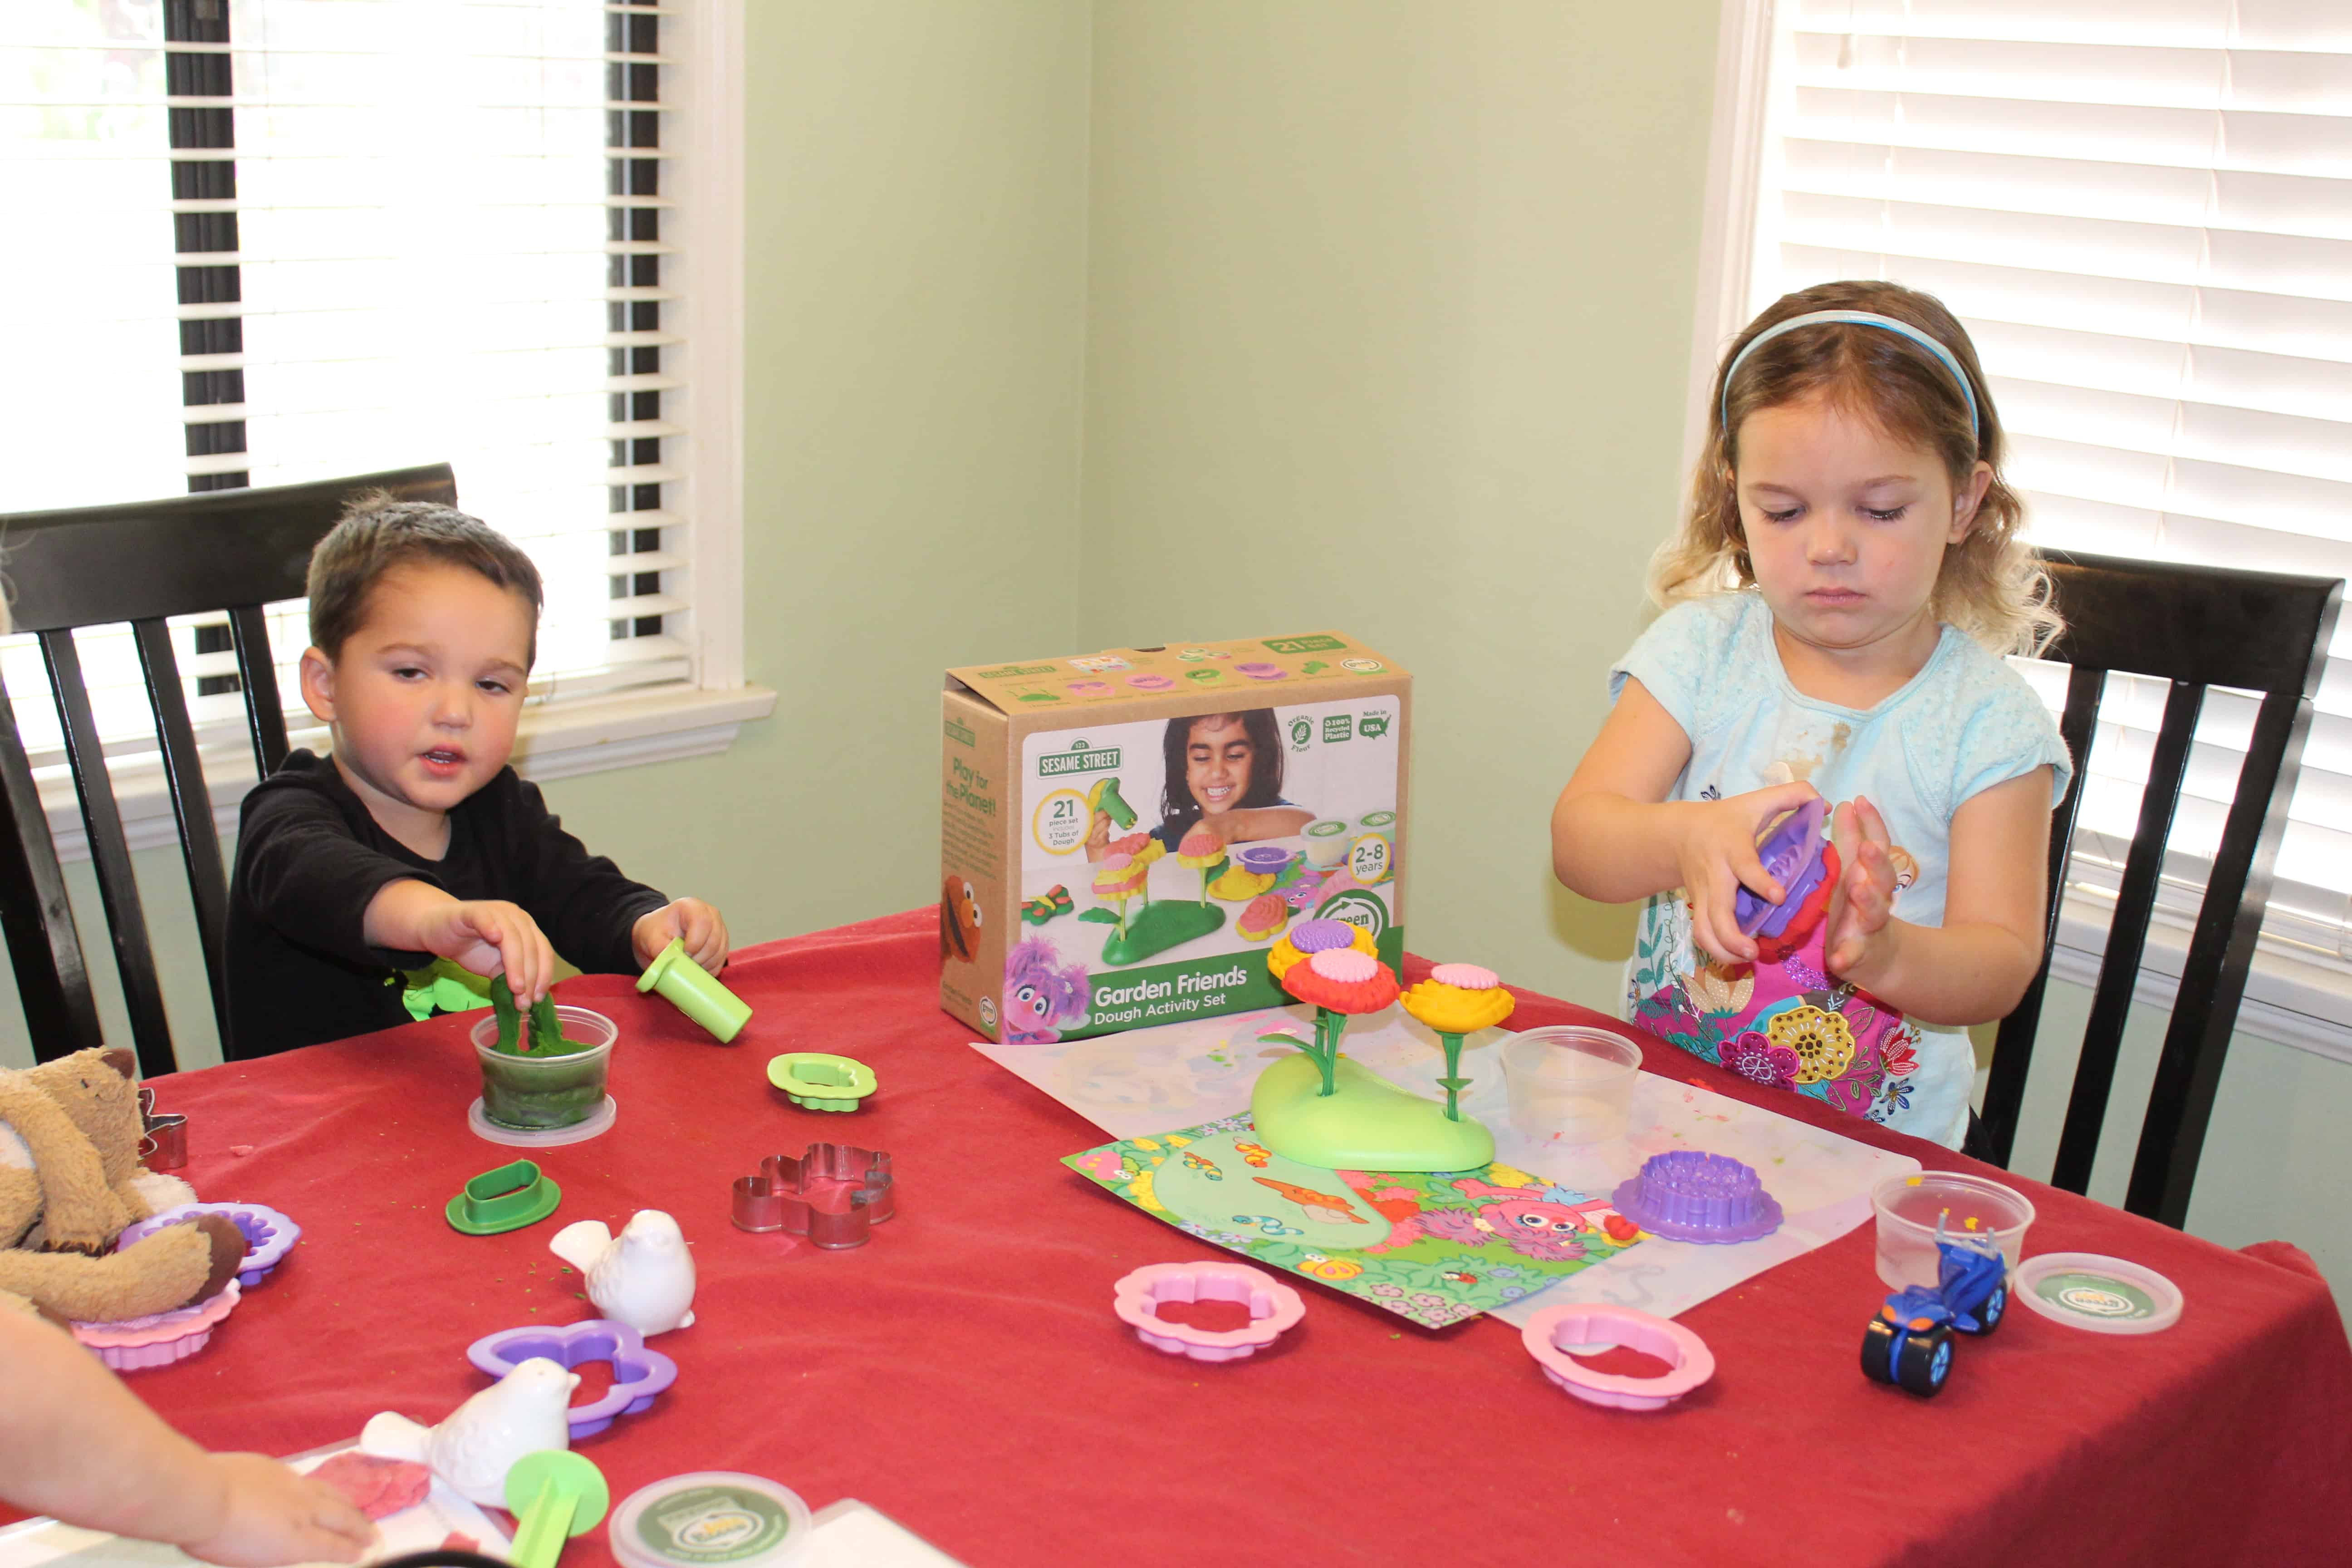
(1859,319)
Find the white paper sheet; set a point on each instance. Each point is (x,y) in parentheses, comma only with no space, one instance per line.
(1154,1080)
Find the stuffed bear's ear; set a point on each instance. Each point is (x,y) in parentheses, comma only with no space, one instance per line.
(123,1062)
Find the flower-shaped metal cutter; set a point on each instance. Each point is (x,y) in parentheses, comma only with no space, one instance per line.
(788,1193)
(162,1140)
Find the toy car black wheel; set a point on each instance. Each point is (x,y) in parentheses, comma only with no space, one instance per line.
(1924,1360)
(1995,1308)
(1878,1350)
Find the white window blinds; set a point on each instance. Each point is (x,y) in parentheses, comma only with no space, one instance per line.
(282,240)
(2143,214)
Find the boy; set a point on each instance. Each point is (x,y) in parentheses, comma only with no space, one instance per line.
(413,840)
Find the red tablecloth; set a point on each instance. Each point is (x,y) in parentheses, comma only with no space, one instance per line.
(964,1374)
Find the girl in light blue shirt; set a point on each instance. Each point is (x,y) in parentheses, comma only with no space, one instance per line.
(1838,601)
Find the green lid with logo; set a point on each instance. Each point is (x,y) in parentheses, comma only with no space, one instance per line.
(2104,1295)
(712,1519)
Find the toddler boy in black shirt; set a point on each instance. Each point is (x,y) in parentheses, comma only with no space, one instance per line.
(413,840)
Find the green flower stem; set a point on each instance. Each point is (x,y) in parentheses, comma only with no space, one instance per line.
(1453,1080)
(1329,1027)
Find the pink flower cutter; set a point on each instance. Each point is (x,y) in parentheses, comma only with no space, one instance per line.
(269,1235)
(638,1373)
(1258,670)
(1689,1361)
(1274,1308)
(158,1339)
(834,1193)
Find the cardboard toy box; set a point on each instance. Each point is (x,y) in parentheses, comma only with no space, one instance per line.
(1295,746)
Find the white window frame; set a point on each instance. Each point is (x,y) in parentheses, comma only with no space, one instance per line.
(2295,995)
(564,738)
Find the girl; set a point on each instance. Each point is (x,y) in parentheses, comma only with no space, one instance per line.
(1837,604)
(1223,769)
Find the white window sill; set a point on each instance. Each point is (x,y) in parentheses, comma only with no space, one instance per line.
(555,741)
(2295,995)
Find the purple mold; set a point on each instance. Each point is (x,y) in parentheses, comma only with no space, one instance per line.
(638,1373)
(1322,936)
(1686,1196)
(1266,860)
(1791,852)
(269,1235)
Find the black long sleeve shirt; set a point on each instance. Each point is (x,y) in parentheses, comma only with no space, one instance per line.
(310,859)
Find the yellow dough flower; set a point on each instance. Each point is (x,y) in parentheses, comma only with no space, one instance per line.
(1458,999)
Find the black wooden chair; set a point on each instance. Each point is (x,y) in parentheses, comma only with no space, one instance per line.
(2194,626)
(141,562)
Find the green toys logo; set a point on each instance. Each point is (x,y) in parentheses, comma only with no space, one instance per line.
(1011,671)
(1077,760)
(960,733)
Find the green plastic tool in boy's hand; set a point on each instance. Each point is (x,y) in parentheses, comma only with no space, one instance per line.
(554,1494)
(546,1029)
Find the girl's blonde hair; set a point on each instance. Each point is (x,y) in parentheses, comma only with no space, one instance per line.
(1990,586)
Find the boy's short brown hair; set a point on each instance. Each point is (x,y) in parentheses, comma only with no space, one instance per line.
(377,533)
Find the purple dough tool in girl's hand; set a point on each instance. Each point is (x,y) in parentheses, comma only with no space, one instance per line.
(1791,852)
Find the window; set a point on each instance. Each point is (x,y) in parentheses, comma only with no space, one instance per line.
(290,239)
(2143,215)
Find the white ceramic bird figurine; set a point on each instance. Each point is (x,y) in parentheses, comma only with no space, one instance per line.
(643,1276)
(520,1414)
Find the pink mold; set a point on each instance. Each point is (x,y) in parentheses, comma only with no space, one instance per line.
(1147,681)
(1274,1308)
(158,1339)
(1689,1361)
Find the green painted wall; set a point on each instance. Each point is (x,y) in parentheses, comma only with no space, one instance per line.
(1325,312)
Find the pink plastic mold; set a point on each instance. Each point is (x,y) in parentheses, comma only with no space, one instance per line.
(638,1373)
(158,1339)
(1549,1334)
(1274,1308)
(269,1235)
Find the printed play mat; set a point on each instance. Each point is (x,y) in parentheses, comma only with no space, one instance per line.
(1434,1246)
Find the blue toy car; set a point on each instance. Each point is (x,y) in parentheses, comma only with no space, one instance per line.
(1909,1343)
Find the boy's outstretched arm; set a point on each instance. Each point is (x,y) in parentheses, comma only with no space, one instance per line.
(488,936)
(75,1443)
(1615,837)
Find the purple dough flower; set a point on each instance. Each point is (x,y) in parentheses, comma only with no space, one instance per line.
(1758,1060)
(1803,975)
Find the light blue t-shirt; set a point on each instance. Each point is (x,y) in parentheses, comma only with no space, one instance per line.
(1965,722)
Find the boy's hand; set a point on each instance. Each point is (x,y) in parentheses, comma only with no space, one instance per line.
(1861,907)
(491,936)
(690,920)
(1716,856)
(270,1515)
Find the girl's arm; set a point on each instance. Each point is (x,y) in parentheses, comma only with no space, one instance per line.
(1976,965)
(1615,837)
(1253,822)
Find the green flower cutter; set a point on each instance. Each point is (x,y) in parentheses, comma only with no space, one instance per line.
(508,1198)
(688,987)
(817,1080)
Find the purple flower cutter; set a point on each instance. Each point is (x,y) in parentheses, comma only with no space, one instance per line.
(269,1235)
(1686,1196)
(638,1373)
(1791,851)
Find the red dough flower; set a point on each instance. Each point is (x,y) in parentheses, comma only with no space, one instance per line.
(1342,980)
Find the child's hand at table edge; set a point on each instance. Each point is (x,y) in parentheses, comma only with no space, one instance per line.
(690,920)
(1861,922)
(486,936)
(1715,853)
(270,1515)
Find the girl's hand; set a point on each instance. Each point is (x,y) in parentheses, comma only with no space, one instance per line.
(1861,907)
(1716,852)
(270,1515)
(1098,836)
(690,920)
(491,936)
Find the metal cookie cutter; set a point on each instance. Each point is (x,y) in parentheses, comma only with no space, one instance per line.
(777,1197)
(163,1139)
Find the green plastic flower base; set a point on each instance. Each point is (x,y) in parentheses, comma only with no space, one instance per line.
(1159,927)
(1365,1123)
(819,1081)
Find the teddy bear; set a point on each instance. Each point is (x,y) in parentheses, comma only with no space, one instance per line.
(70,1181)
